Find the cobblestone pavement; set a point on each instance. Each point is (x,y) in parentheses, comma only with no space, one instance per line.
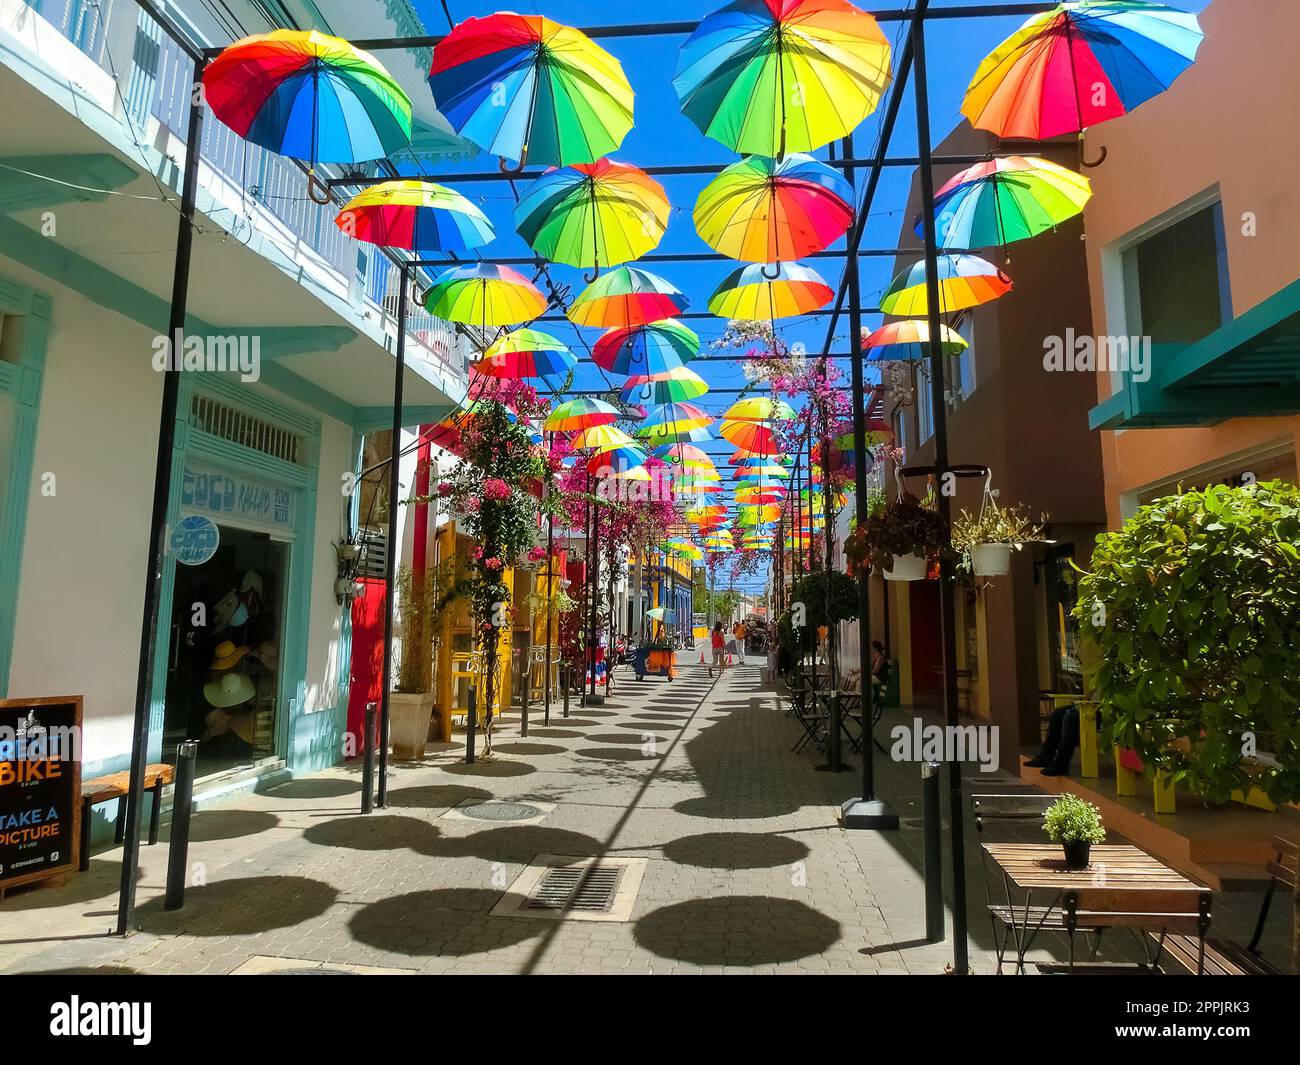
(745,866)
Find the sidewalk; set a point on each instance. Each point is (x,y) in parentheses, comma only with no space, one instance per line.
(742,865)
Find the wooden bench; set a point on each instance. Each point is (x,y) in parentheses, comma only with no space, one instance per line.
(118,786)
(1225,957)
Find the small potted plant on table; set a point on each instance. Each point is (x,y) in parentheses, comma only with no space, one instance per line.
(1076,826)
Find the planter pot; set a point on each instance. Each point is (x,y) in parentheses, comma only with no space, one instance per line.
(1078,853)
(906,568)
(408,723)
(991,560)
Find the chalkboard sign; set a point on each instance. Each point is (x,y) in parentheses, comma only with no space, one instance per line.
(40,788)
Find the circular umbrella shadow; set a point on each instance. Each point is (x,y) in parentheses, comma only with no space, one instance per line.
(735,850)
(322,788)
(375,832)
(443,922)
(434,796)
(556,733)
(652,726)
(616,754)
(209,825)
(517,843)
(525,747)
(757,931)
(489,768)
(241,907)
(614,737)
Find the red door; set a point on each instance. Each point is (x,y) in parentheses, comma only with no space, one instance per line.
(367,657)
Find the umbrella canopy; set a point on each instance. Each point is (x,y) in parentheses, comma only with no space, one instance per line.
(763,211)
(484,295)
(752,436)
(760,495)
(909,341)
(685,455)
(964,281)
(416,215)
(526,88)
(601,438)
(308,96)
(523,353)
(759,409)
(1005,200)
(770,472)
(751,294)
(626,297)
(683,549)
(617,461)
(705,513)
(750,516)
(771,76)
(637,350)
(668,419)
(574,415)
(670,386)
(593,214)
(662,614)
(1083,64)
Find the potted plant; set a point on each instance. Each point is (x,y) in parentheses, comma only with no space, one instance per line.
(985,543)
(901,538)
(410,704)
(1076,826)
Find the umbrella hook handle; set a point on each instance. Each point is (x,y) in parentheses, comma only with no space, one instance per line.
(1094,163)
(313,184)
(595,273)
(511,171)
(770,277)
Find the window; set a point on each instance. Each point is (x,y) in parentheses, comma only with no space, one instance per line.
(924,404)
(963,382)
(1176,280)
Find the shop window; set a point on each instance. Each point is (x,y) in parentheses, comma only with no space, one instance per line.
(238,427)
(1063,630)
(1176,287)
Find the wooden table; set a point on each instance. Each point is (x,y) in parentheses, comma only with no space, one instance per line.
(1124,887)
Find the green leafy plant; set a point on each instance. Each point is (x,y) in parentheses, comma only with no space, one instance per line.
(415,602)
(1194,606)
(905,526)
(1009,525)
(1070,819)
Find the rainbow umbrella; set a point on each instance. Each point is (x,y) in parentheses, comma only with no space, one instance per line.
(593,214)
(909,341)
(1083,64)
(685,455)
(770,472)
(763,211)
(751,516)
(484,295)
(617,462)
(626,297)
(668,419)
(601,438)
(654,348)
(759,409)
(752,436)
(670,386)
(1005,200)
(683,549)
(574,415)
(308,96)
(760,495)
(525,353)
(526,88)
(770,76)
(752,294)
(704,514)
(964,281)
(416,215)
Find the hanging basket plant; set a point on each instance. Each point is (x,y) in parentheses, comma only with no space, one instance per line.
(902,530)
(985,542)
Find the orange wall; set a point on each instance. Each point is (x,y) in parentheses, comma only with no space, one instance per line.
(1229,121)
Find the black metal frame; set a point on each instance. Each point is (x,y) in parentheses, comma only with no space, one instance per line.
(913,56)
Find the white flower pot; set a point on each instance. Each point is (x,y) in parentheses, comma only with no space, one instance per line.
(991,560)
(408,723)
(906,568)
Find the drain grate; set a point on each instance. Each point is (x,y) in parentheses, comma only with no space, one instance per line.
(495,810)
(585,890)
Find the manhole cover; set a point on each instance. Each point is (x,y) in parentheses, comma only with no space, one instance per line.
(500,811)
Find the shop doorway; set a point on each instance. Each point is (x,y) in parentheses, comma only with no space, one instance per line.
(224,662)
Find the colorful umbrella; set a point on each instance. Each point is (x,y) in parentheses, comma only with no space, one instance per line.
(752,294)
(618,461)
(750,516)
(526,88)
(593,214)
(661,614)
(525,353)
(759,409)
(683,549)
(484,295)
(685,455)
(655,348)
(1005,200)
(964,281)
(1078,66)
(669,419)
(308,96)
(601,438)
(626,297)
(416,215)
(770,76)
(575,415)
(763,211)
(909,341)
(670,386)
(752,436)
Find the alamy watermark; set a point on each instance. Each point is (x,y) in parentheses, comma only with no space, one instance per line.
(210,353)
(1089,354)
(919,742)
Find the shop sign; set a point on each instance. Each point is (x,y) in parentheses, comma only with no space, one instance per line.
(194,540)
(40,788)
(236,498)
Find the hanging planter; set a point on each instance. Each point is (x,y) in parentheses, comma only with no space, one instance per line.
(901,537)
(991,560)
(906,568)
(984,543)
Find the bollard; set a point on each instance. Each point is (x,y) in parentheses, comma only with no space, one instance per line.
(566,690)
(933,854)
(178,849)
(368,760)
(471,723)
(834,751)
(523,713)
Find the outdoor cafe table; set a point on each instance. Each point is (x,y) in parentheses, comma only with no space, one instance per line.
(1122,887)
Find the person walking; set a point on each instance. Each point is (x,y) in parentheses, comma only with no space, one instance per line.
(739,632)
(719,644)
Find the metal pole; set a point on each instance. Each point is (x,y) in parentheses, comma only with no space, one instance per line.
(947,610)
(933,851)
(586,592)
(471,723)
(162,490)
(550,594)
(178,847)
(593,579)
(565,670)
(835,748)
(368,760)
(394,547)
